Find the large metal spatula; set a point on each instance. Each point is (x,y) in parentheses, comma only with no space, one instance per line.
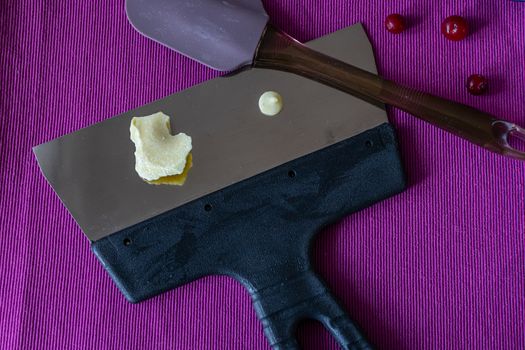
(231,34)
(259,191)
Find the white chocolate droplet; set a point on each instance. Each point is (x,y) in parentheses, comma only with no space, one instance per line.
(270,103)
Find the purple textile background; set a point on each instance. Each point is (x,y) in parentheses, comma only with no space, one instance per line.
(440,266)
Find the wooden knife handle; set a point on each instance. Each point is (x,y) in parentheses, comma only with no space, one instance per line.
(259,231)
(279,51)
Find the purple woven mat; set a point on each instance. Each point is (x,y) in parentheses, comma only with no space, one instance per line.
(441,266)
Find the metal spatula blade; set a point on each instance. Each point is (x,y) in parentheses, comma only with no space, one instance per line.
(92,170)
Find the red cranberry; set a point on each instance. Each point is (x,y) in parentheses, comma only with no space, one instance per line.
(454,28)
(476,84)
(395,23)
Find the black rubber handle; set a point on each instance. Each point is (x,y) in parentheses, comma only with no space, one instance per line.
(281,306)
(259,231)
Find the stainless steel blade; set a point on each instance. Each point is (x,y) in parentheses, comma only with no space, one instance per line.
(92,170)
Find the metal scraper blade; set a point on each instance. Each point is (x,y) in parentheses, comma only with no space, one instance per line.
(92,170)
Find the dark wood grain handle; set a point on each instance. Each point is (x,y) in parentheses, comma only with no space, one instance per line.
(279,51)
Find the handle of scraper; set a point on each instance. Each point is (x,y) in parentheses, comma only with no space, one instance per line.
(279,51)
(260,232)
(284,303)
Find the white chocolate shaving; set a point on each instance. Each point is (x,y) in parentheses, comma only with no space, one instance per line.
(157,152)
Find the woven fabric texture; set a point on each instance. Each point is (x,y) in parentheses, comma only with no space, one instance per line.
(440,266)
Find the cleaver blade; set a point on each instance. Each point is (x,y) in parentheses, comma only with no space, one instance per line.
(92,169)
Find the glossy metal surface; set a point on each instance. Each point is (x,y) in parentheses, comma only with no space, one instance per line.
(92,170)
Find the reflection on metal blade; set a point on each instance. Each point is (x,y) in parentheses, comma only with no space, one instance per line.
(92,170)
